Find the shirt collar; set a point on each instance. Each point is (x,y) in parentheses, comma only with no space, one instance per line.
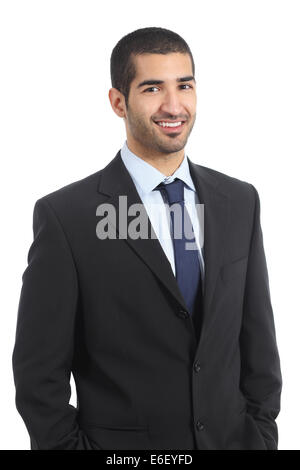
(147,177)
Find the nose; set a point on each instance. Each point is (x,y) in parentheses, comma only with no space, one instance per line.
(171,103)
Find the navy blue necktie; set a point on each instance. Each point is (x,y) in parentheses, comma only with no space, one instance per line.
(188,273)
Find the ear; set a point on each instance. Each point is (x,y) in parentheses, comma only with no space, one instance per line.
(117,101)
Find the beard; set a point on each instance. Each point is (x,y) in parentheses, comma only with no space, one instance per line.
(146,134)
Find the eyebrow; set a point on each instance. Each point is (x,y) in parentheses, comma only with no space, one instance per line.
(152,81)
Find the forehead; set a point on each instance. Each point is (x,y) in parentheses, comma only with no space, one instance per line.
(162,66)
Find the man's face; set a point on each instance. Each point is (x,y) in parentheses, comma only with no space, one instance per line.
(169,101)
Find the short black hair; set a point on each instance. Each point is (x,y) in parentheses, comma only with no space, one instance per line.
(152,40)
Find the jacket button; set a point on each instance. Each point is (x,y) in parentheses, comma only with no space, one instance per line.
(183,314)
(199,426)
(197,367)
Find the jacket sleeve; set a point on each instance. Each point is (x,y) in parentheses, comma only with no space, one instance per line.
(43,350)
(261,380)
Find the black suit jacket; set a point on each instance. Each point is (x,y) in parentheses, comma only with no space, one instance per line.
(110,311)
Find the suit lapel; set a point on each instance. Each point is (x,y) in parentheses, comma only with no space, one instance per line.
(216,218)
(115,181)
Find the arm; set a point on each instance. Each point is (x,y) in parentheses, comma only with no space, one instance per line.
(261,380)
(43,350)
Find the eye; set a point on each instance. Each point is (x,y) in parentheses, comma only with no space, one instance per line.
(186,84)
(151,88)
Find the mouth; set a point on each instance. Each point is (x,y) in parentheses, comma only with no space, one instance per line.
(170,127)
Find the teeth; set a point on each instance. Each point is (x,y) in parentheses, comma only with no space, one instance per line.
(169,124)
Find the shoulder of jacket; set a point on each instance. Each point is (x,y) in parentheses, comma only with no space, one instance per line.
(72,192)
(230,185)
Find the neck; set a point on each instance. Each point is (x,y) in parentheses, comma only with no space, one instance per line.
(167,164)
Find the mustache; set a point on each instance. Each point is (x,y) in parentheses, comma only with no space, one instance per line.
(171,119)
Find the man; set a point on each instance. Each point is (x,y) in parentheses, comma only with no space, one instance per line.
(170,347)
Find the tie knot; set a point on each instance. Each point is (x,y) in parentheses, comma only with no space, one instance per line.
(174,191)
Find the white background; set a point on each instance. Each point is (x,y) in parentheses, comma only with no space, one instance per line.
(57,126)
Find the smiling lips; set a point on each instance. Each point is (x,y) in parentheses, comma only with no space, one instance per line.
(170,126)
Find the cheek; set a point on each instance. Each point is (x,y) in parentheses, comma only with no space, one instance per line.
(150,110)
(143,111)
(190,102)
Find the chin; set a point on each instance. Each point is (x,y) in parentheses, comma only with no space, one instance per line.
(170,148)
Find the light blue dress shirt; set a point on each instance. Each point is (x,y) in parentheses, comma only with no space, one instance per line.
(146,177)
